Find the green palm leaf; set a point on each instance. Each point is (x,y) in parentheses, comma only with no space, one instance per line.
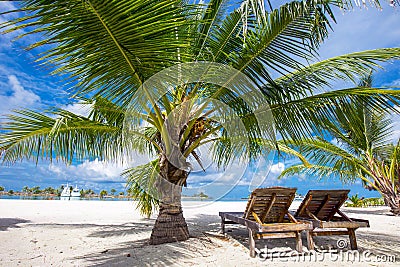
(310,115)
(67,136)
(109,47)
(321,172)
(141,184)
(289,35)
(320,75)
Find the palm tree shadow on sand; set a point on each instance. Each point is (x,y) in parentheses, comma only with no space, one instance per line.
(138,252)
(371,242)
(6,223)
(205,239)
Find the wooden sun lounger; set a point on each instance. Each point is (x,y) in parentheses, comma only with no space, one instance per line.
(267,216)
(320,207)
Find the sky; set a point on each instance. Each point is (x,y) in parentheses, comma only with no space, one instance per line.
(23,84)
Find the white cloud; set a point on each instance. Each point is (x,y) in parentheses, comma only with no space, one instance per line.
(395,83)
(264,174)
(301,177)
(98,170)
(92,170)
(18,96)
(78,108)
(363,29)
(55,169)
(395,126)
(6,6)
(5,39)
(277,168)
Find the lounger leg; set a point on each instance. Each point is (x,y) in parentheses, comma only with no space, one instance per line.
(353,240)
(299,245)
(310,241)
(252,244)
(223,225)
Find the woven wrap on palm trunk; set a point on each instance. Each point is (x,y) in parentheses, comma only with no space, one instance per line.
(170,225)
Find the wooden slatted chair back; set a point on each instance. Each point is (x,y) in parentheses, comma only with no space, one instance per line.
(323,204)
(269,205)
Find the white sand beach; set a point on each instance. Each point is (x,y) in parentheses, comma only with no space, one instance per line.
(112,233)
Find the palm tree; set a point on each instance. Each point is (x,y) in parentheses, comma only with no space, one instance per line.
(103,193)
(25,189)
(363,151)
(109,49)
(36,190)
(355,201)
(49,190)
(89,192)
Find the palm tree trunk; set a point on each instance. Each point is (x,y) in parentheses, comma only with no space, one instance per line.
(387,186)
(393,201)
(170,225)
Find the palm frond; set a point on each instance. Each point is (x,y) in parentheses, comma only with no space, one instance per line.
(33,135)
(320,75)
(213,15)
(141,186)
(63,135)
(225,39)
(320,172)
(289,35)
(307,116)
(107,47)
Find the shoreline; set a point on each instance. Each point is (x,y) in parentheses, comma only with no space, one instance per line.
(94,198)
(104,233)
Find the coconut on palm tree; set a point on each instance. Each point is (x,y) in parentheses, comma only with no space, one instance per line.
(362,149)
(110,49)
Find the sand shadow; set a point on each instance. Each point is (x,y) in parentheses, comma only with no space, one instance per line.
(122,229)
(239,233)
(6,223)
(139,252)
(204,223)
(205,230)
(376,243)
(379,244)
(103,230)
(382,211)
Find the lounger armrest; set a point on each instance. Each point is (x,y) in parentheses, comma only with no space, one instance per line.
(362,222)
(315,223)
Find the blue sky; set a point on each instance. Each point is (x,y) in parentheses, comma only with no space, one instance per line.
(23,84)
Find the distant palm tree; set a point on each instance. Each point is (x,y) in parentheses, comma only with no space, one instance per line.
(113,191)
(36,190)
(363,151)
(103,193)
(26,189)
(88,192)
(355,201)
(109,49)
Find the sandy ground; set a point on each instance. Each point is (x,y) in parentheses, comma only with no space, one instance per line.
(108,233)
